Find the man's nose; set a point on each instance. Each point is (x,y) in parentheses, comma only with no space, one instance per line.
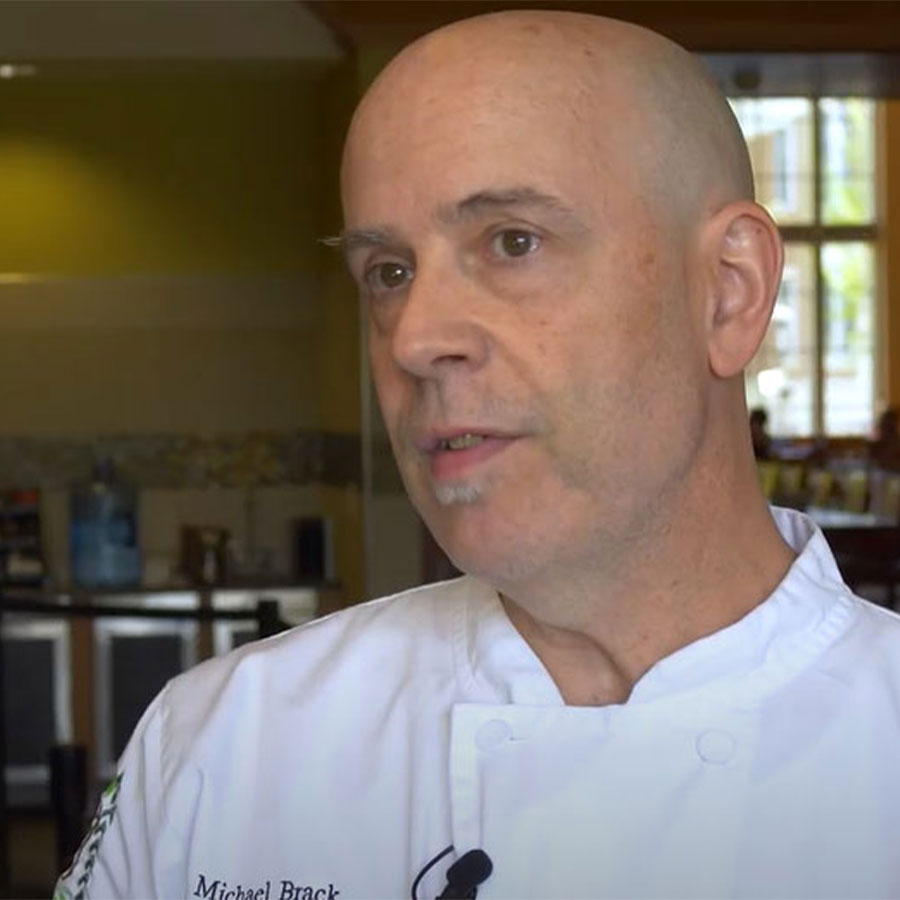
(441,326)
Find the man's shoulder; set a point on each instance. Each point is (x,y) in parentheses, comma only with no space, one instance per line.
(404,618)
(878,629)
(374,646)
(867,651)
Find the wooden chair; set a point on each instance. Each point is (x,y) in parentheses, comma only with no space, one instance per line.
(820,486)
(856,491)
(768,477)
(884,495)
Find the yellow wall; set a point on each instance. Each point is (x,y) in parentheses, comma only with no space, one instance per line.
(340,366)
(389,527)
(392,528)
(203,172)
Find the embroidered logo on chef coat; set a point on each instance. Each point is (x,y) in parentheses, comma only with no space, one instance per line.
(208,888)
(86,855)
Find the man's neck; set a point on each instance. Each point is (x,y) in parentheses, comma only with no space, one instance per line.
(599,635)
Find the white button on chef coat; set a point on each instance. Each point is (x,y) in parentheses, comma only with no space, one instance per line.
(715,746)
(338,759)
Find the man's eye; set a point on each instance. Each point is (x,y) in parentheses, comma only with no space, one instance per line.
(387,276)
(514,242)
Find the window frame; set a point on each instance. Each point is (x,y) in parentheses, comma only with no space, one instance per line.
(817,234)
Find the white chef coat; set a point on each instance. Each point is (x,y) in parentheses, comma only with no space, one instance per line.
(335,760)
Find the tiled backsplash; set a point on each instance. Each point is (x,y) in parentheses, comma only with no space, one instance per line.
(184,460)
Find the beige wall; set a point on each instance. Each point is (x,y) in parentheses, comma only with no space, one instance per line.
(173,353)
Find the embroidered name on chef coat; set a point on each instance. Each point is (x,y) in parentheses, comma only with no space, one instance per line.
(281,889)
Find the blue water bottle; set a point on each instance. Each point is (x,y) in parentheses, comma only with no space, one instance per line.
(104,531)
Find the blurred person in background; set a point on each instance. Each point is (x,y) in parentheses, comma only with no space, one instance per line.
(884,450)
(759,435)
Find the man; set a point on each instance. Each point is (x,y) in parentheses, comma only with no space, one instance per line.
(646,685)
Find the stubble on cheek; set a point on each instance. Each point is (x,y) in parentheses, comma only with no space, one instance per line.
(611,444)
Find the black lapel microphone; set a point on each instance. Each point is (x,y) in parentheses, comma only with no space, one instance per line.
(463,877)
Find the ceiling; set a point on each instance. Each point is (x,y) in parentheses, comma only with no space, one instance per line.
(146,30)
(703,25)
(840,47)
(759,47)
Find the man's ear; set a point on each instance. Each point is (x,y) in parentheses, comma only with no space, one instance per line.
(744,255)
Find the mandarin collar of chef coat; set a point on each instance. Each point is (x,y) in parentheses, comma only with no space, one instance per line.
(746,661)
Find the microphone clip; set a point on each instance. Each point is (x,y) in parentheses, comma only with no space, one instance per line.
(472,869)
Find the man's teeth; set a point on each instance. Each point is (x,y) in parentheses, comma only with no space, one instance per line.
(461,442)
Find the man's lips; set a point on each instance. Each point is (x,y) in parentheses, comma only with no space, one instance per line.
(447,464)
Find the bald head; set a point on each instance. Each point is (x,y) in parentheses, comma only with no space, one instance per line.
(548,216)
(614,81)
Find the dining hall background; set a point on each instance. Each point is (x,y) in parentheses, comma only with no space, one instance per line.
(190,454)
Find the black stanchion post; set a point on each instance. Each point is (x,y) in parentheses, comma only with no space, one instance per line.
(68,797)
(267,616)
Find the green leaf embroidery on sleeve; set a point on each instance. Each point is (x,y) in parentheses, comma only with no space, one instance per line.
(86,857)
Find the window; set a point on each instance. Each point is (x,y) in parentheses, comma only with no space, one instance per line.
(814,165)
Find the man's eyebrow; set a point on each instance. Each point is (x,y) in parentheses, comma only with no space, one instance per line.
(471,206)
(488,200)
(353,238)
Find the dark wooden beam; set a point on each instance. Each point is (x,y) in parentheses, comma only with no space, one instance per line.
(721,26)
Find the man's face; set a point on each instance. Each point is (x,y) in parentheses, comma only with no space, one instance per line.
(532,342)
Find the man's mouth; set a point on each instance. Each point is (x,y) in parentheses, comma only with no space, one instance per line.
(456,456)
(461,442)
